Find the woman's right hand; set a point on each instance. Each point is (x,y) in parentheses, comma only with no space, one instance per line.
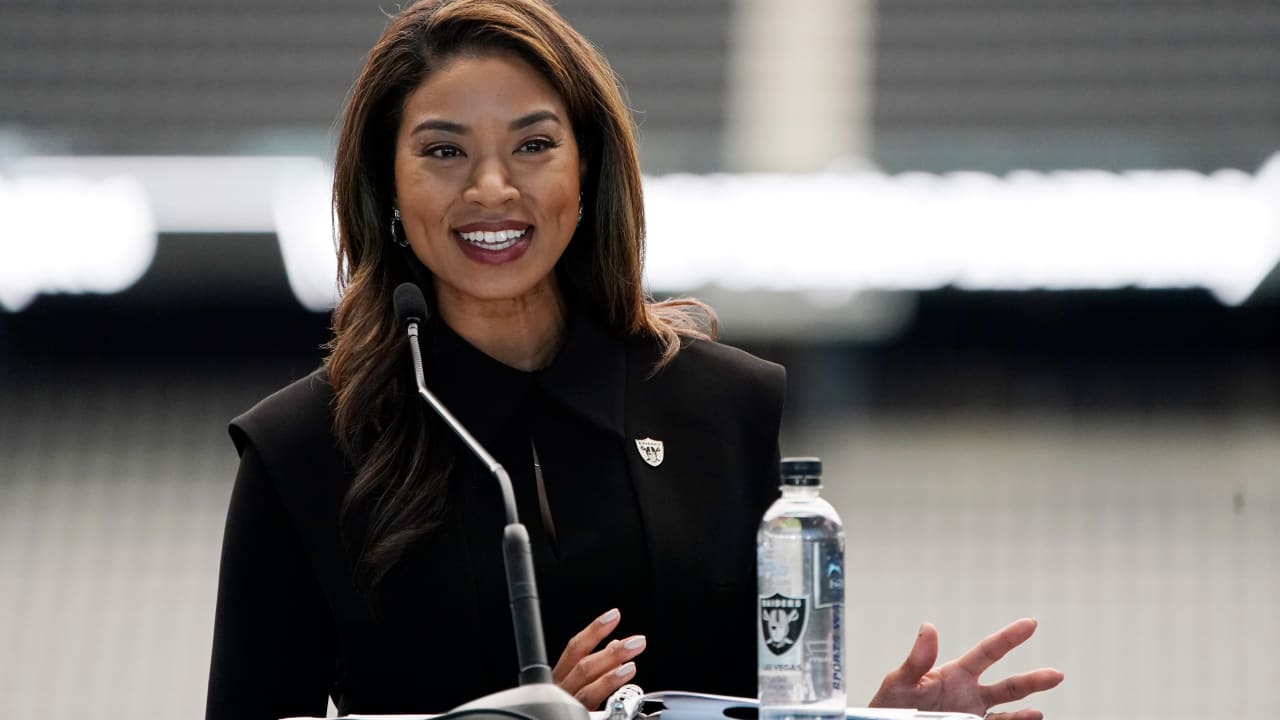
(591,677)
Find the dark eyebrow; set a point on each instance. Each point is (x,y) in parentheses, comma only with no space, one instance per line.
(534,118)
(445,125)
(519,123)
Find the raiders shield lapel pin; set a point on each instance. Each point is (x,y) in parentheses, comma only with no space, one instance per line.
(650,450)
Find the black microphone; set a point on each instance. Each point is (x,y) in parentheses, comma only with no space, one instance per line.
(538,696)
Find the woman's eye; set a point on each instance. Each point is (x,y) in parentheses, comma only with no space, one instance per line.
(536,146)
(443,151)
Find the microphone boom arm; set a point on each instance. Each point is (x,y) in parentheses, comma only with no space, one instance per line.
(493,466)
(517,558)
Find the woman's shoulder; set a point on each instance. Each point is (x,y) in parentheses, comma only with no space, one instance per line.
(295,418)
(288,456)
(706,367)
(707,355)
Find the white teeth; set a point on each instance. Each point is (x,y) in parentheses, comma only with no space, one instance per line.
(500,240)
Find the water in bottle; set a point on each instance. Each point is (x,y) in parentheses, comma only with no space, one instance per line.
(800,581)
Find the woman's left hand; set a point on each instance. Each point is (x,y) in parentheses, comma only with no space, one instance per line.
(954,687)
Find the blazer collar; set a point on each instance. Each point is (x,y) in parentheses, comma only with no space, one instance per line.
(588,376)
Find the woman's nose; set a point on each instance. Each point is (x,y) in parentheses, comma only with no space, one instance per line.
(490,184)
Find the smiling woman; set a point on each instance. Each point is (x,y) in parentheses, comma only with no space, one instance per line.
(487,155)
(487,195)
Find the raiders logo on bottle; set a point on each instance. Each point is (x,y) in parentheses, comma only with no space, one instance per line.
(782,621)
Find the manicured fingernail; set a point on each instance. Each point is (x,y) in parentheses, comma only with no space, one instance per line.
(608,617)
(635,642)
(626,670)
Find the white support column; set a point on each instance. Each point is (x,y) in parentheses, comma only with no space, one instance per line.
(799,85)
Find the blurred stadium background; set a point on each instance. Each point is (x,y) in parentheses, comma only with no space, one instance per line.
(1095,448)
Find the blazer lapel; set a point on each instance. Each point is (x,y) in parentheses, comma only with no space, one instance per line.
(676,496)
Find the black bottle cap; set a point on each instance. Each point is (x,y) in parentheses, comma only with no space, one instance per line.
(801,471)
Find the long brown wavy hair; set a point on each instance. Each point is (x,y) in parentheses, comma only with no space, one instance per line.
(400,453)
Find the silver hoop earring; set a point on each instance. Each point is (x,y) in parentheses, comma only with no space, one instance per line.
(397,229)
(579,209)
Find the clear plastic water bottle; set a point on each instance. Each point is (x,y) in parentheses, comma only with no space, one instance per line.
(800,580)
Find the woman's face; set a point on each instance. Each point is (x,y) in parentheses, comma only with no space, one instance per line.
(487,175)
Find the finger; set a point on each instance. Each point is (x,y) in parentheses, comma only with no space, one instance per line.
(599,664)
(584,642)
(1019,686)
(923,655)
(901,686)
(593,695)
(996,645)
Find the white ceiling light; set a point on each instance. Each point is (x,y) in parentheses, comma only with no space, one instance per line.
(869,231)
(303,211)
(72,235)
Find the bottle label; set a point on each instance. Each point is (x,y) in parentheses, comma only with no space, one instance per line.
(801,640)
(828,569)
(782,621)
